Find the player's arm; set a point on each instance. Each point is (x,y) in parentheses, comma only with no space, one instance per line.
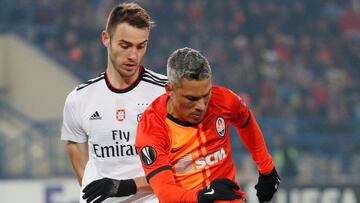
(167,191)
(107,187)
(165,188)
(253,139)
(269,180)
(249,130)
(74,136)
(163,184)
(79,155)
(151,143)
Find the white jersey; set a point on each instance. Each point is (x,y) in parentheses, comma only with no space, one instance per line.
(106,118)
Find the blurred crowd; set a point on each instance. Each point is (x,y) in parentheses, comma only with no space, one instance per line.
(285,58)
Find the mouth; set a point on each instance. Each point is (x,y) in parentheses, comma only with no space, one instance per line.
(195,116)
(130,66)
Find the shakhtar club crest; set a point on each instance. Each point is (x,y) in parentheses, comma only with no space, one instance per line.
(220,126)
(120,114)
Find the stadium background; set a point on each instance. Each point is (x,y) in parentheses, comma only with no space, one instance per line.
(295,62)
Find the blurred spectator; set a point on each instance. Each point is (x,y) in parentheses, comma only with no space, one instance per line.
(285,157)
(350,18)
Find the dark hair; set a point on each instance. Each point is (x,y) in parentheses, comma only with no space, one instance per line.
(131,13)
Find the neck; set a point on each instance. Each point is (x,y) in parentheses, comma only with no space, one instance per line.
(170,108)
(119,81)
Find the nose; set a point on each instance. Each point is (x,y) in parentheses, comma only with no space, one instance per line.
(133,54)
(201,105)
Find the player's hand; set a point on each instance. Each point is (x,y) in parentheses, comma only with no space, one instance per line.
(267,186)
(220,189)
(106,187)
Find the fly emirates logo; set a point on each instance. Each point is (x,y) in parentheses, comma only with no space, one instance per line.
(210,159)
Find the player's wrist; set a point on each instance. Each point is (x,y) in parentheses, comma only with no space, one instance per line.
(201,198)
(269,176)
(127,187)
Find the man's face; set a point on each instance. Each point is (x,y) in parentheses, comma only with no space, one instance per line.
(126,48)
(189,100)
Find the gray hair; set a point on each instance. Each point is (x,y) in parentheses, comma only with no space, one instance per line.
(189,64)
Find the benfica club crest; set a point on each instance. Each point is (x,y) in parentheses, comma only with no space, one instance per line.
(220,126)
(120,114)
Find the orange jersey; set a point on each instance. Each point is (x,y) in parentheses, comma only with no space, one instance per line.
(179,158)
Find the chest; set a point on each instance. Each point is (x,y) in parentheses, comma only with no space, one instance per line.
(113,118)
(209,137)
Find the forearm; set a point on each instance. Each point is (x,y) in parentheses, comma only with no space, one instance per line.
(171,193)
(167,191)
(78,155)
(79,168)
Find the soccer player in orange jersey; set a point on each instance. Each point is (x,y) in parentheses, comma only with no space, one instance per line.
(183,138)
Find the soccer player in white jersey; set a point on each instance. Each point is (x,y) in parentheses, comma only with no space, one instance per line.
(100,116)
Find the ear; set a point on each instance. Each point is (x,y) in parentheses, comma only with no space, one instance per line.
(105,38)
(168,89)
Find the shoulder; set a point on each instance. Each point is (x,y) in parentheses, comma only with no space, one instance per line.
(152,126)
(91,82)
(222,94)
(157,108)
(155,114)
(226,98)
(83,89)
(230,102)
(154,78)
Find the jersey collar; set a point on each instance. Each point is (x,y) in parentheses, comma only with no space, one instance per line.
(128,88)
(178,121)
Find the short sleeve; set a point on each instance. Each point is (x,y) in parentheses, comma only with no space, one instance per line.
(71,128)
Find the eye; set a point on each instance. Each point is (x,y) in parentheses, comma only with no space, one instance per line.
(192,98)
(141,46)
(124,45)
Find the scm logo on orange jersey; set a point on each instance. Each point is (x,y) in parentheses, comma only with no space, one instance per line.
(210,159)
